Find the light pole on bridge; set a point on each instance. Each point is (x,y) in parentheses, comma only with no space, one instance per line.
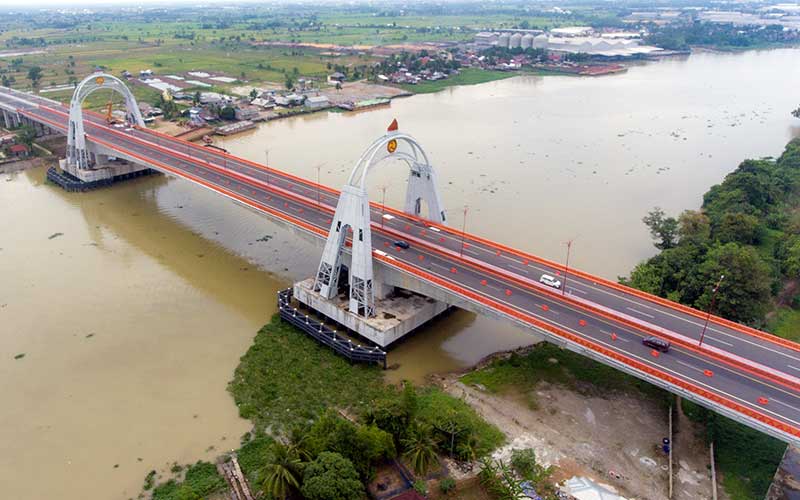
(463,229)
(566,267)
(383,202)
(710,308)
(266,156)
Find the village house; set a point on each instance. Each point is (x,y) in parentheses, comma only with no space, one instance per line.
(317,102)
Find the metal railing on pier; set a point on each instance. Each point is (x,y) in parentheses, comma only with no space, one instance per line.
(324,335)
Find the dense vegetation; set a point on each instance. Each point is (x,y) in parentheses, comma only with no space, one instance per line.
(200,480)
(322,426)
(719,35)
(748,230)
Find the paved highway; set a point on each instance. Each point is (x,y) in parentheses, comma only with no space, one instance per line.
(741,369)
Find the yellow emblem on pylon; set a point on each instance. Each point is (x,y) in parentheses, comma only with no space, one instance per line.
(391,146)
(99,80)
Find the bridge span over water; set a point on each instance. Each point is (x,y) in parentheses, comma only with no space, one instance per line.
(745,374)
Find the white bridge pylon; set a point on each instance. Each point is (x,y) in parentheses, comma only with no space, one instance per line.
(77,153)
(353,214)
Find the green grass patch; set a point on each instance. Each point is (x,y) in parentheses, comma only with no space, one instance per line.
(201,480)
(547,362)
(786,324)
(286,378)
(467,76)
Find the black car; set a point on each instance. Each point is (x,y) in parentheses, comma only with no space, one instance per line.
(656,343)
(402,244)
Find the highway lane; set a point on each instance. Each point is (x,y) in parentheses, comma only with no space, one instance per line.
(686,364)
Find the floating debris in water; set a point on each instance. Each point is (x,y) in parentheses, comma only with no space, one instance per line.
(55,235)
(19,356)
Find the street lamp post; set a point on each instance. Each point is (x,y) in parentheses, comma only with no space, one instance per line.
(266,156)
(566,268)
(710,308)
(318,167)
(463,229)
(383,202)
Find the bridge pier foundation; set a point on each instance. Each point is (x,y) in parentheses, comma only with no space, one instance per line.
(397,314)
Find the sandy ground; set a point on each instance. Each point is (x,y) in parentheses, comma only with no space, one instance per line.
(360,91)
(612,441)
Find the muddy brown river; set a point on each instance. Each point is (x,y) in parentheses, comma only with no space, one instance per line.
(132,305)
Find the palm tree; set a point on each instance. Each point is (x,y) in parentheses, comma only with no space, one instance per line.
(281,473)
(420,448)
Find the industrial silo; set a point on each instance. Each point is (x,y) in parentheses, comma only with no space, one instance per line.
(527,41)
(502,40)
(540,42)
(515,41)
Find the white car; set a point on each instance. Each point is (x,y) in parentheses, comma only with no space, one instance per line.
(550,281)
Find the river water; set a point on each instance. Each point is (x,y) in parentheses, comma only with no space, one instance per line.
(132,305)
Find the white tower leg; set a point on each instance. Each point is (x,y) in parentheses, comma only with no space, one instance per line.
(352,217)
(352,214)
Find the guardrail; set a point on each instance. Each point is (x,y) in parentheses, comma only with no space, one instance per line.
(318,331)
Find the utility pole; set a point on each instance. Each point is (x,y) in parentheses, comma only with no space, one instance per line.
(566,268)
(710,307)
(463,229)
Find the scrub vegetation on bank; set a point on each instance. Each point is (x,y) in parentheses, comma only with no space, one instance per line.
(322,426)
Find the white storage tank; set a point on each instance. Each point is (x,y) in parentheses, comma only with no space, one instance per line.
(527,41)
(502,40)
(515,41)
(540,42)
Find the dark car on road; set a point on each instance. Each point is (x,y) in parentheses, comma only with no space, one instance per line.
(656,343)
(401,244)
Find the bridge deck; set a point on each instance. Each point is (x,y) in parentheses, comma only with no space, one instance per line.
(741,372)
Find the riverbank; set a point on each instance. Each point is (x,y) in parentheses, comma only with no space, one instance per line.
(301,395)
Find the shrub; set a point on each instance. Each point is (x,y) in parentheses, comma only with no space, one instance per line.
(447,485)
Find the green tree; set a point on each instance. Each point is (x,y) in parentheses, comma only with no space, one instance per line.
(35,75)
(289,83)
(420,448)
(227,113)
(796,112)
(737,227)
(694,227)
(253,94)
(281,473)
(792,262)
(196,98)
(329,476)
(663,229)
(744,294)
(26,134)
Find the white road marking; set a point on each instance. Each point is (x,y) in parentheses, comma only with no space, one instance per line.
(784,404)
(577,290)
(687,365)
(720,341)
(640,312)
(793,367)
(518,268)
